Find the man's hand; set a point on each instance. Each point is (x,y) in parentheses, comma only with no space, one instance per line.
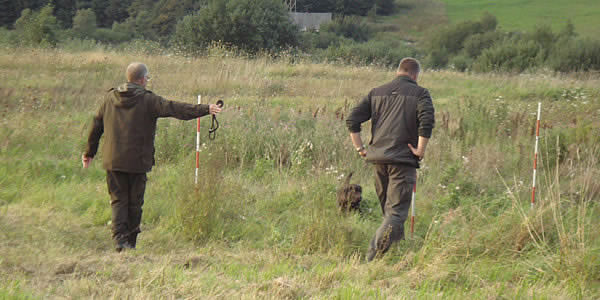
(417,152)
(214,109)
(363,152)
(420,151)
(86,161)
(358,144)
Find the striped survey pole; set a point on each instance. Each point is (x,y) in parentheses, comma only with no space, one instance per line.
(197,144)
(412,210)
(535,157)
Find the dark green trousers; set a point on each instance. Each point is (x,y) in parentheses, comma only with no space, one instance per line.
(393,184)
(126,199)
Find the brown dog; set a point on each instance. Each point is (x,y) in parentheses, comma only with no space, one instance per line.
(349,196)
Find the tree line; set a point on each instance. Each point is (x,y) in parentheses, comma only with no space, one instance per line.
(192,27)
(157,19)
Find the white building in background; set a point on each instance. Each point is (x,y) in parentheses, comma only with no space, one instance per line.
(310,21)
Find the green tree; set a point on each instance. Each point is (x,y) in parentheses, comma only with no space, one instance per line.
(116,11)
(168,12)
(84,22)
(37,27)
(248,24)
(64,10)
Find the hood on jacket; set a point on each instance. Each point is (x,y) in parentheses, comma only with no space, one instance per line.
(127,94)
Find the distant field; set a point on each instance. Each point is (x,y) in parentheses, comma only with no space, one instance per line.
(527,14)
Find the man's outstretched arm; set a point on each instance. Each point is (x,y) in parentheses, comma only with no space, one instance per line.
(183,111)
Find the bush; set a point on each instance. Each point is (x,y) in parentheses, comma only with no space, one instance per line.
(249,25)
(570,55)
(319,40)
(452,38)
(106,35)
(381,53)
(544,36)
(437,58)
(475,44)
(510,56)
(385,7)
(8,37)
(348,27)
(37,28)
(460,63)
(84,23)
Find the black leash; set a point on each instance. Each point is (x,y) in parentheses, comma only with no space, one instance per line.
(212,131)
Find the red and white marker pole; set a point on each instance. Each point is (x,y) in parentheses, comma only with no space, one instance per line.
(197,144)
(412,210)
(535,157)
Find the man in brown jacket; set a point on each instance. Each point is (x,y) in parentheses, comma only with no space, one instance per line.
(127,118)
(402,119)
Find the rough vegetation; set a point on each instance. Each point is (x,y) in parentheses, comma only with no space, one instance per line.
(264,222)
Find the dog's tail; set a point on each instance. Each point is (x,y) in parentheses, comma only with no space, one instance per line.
(348,178)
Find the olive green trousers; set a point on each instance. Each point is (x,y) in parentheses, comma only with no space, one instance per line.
(393,185)
(126,199)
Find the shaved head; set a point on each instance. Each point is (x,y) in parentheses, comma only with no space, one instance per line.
(136,71)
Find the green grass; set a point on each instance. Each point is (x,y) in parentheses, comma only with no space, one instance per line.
(525,15)
(263,222)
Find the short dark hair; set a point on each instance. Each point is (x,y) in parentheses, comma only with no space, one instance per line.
(409,65)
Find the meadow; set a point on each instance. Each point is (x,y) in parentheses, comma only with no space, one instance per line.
(263,221)
(521,15)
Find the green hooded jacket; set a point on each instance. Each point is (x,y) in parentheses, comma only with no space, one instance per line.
(127,118)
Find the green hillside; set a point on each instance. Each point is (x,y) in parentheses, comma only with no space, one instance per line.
(527,14)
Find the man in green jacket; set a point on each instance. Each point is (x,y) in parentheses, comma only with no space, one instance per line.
(402,119)
(127,118)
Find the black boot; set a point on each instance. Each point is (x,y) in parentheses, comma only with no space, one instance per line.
(132,239)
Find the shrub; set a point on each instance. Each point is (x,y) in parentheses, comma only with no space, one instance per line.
(510,56)
(382,53)
(84,22)
(319,40)
(544,36)
(106,35)
(437,58)
(475,44)
(249,25)
(385,7)
(460,62)
(37,28)
(348,27)
(575,55)
(452,38)
(8,37)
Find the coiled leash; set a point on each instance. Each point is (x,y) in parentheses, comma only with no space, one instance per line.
(212,131)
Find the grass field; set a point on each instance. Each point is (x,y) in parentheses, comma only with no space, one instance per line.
(525,15)
(263,222)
